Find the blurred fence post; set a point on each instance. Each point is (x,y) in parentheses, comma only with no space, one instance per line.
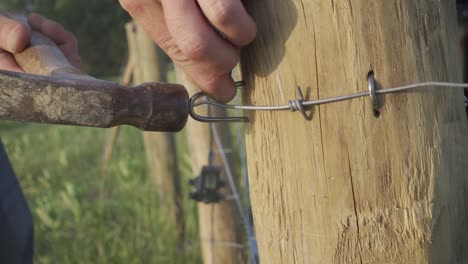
(160,147)
(219,224)
(114,131)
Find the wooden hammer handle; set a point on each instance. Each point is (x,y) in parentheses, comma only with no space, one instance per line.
(43,57)
(67,96)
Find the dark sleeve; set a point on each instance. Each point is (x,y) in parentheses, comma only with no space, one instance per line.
(16,226)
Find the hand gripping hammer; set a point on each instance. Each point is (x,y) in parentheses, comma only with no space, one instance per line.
(55,92)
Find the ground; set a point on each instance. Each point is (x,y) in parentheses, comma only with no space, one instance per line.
(83,215)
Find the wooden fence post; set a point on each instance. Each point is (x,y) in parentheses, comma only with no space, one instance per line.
(347,186)
(160,147)
(113,133)
(220,227)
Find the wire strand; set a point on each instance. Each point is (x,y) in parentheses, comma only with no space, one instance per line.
(212,224)
(231,182)
(333,99)
(247,208)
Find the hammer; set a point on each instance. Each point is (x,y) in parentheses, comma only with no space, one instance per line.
(54,92)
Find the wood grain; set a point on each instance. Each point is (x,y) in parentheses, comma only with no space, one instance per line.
(348,187)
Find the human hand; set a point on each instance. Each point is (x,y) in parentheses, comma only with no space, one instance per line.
(203,37)
(15,37)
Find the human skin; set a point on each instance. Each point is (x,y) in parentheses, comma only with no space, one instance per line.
(15,36)
(203,37)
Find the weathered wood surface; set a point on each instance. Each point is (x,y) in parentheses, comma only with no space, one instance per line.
(160,147)
(220,227)
(348,187)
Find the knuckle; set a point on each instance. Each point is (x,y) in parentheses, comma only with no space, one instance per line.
(222,13)
(20,30)
(18,35)
(222,65)
(131,5)
(210,83)
(194,47)
(126,4)
(215,87)
(232,61)
(167,43)
(225,15)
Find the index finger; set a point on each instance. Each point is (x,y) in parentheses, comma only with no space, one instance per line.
(14,35)
(211,57)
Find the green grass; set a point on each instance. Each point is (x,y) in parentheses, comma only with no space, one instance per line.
(82,215)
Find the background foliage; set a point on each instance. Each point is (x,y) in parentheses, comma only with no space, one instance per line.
(99,26)
(82,215)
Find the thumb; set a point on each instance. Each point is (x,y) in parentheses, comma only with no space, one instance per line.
(14,35)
